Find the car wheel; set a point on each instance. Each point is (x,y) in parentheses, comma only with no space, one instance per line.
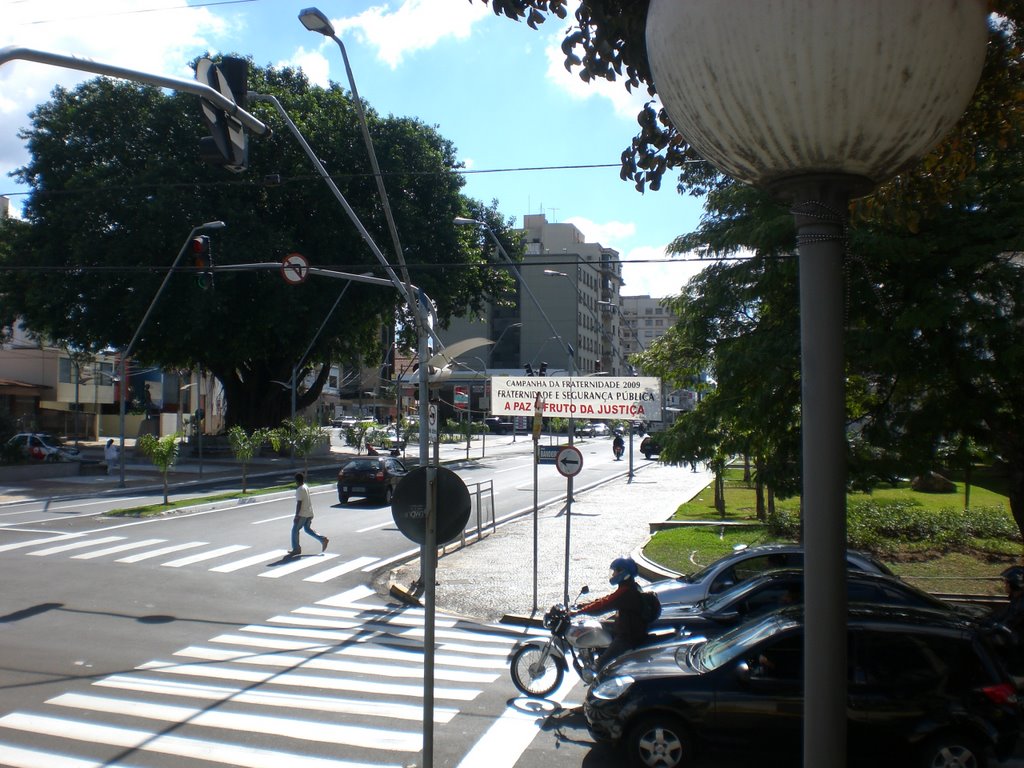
(659,741)
(342,498)
(647,455)
(389,493)
(952,750)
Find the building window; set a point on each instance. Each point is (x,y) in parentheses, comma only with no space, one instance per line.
(64,370)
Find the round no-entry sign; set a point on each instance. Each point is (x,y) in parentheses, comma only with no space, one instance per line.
(569,461)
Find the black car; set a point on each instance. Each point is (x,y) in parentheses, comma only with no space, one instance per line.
(924,689)
(650,446)
(373,477)
(498,426)
(773,589)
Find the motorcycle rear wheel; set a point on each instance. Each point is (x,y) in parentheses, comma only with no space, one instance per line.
(532,678)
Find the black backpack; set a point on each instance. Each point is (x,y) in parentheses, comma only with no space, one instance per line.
(650,607)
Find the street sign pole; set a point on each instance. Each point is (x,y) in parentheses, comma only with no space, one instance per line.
(538,410)
(568,462)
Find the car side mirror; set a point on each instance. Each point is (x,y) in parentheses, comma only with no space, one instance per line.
(585,590)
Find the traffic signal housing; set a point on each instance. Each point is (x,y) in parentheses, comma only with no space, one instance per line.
(543,370)
(202,260)
(228,142)
(528,368)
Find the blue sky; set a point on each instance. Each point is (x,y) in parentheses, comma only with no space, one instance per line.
(497,89)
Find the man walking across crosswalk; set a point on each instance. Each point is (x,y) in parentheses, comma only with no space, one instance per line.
(304,517)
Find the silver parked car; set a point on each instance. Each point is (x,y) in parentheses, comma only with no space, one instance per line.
(744,563)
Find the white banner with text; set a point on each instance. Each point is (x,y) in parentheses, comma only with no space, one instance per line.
(637,398)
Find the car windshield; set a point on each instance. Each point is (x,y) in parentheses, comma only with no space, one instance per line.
(723,599)
(726,647)
(698,576)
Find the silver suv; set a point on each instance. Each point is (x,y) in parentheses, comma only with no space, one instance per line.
(744,563)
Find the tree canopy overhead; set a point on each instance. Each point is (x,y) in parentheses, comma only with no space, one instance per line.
(607,40)
(117,186)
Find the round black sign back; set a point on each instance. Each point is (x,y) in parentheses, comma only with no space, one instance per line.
(409,505)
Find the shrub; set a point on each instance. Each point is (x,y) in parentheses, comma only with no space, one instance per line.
(878,527)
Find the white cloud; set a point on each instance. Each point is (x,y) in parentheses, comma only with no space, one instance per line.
(314,64)
(607,234)
(415,26)
(646,269)
(624,103)
(112,32)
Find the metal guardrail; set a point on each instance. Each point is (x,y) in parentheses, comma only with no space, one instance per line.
(481,516)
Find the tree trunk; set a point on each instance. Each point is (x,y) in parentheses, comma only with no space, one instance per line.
(720,492)
(759,490)
(1016,494)
(967,485)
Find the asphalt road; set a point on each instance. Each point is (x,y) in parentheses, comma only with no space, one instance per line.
(191,640)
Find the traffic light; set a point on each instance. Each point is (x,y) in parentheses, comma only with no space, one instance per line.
(202,260)
(543,370)
(228,143)
(529,369)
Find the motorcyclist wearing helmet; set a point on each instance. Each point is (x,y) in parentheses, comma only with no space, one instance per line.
(1011,618)
(618,445)
(628,630)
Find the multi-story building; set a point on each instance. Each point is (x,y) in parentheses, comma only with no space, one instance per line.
(559,315)
(561,319)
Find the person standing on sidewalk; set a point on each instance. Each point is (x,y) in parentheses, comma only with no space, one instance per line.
(111,455)
(304,517)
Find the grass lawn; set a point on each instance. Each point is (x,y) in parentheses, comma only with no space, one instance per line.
(153,510)
(972,568)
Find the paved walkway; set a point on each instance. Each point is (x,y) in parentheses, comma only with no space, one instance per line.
(495,577)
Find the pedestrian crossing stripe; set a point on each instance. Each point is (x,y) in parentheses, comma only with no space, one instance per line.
(362,650)
(366,738)
(334,665)
(390,710)
(78,548)
(177,746)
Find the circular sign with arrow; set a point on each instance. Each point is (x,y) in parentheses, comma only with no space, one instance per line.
(569,461)
(294,268)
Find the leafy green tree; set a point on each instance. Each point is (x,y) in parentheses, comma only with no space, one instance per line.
(301,437)
(245,446)
(163,452)
(117,186)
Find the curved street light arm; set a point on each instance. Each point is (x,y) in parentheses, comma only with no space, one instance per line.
(13,53)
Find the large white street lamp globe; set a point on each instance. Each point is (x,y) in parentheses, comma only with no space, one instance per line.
(771,89)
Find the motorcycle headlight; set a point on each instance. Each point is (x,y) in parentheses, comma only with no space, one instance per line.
(612,688)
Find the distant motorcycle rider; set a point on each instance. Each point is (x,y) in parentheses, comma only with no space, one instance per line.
(1011,617)
(618,446)
(629,630)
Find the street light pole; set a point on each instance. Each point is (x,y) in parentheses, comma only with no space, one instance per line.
(127,351)
(315,21)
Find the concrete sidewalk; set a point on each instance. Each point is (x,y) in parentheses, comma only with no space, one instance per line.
(493,578)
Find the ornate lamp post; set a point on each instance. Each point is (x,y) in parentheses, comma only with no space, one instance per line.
(819,102)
